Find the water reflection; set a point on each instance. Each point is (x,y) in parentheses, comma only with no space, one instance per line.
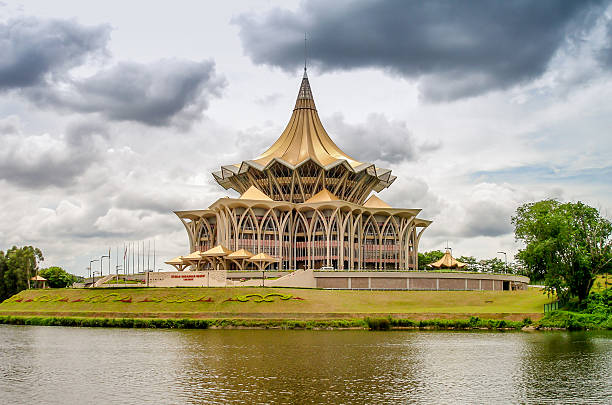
(81,365)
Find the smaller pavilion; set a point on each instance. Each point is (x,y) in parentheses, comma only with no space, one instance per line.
(447,262)
(222,258)
(39,282)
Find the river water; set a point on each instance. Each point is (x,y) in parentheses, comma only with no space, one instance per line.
(57,365)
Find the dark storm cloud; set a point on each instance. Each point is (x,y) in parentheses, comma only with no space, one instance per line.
(34,49)
(37,57)
(456,49)
(605,55)
(162,93)
(39,161)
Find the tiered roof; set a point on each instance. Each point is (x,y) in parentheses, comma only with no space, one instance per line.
(303,140)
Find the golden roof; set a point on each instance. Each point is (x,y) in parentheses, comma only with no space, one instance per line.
(253,193)
(176,260)
(375,202)
(322,196)
(193,256)
(240,254)
(218,250)
(38,278)
(304,139)
(447,262)
(262,257)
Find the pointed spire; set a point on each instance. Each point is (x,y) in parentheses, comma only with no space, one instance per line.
(305,98)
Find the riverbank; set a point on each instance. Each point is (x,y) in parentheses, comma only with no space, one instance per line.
(365,323)
(280,308)
(275,303)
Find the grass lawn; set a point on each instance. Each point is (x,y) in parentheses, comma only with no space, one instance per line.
(313,303)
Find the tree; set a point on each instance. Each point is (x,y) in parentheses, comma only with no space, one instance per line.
(494,265)
(57,277)
(17,266)
(470,261)
(426,258)
(566,245)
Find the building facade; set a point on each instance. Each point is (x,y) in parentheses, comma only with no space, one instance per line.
(307,204)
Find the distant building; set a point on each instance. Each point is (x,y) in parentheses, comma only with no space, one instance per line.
(304,202)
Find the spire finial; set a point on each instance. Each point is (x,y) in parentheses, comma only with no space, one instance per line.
(305,55)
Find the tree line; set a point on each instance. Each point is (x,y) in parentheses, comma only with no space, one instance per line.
(492,265)
(19,264)
(564,247)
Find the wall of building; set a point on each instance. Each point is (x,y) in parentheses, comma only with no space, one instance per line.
(426,281)
(339,235)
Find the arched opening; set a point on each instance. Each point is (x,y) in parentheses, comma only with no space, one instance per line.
(300,243)
(370,245)
(248,233)
(269,240)
(390,246)
(318,242)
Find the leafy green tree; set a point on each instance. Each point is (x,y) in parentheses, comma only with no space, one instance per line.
(494,265)
(17,266)
(470,261)
(57,277)
(426,258)
(566,245)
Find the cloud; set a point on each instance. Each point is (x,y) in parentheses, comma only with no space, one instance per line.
(39,58)
(166,92)
(605,55)
(35,51)
(486,218)
(378,139)
(454,49)
(39,161)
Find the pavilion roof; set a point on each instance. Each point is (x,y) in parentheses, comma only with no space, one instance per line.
(240,254)
(375,202)
(253,193)
(218,250)
(262,257)
(176,260)
(38,278)
(321,196)
(193,256)
(447,262)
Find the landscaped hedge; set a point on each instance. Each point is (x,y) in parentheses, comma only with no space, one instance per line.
(369,323)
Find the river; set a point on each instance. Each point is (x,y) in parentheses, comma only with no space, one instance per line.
(58,365)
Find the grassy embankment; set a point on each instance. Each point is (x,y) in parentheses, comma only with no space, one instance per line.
(595,312)
(309,308)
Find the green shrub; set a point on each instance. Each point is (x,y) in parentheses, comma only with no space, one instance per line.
(378,323)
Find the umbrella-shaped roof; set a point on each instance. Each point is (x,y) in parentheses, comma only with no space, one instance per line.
(375,202)
(38,278)
(262,257)
(176,260)
(195,256)
(218,250)
(240,254)
(447,262)
(322,196)
(253,193)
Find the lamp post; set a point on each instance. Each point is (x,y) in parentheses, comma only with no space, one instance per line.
(91,273)
(102,257)
(506,261)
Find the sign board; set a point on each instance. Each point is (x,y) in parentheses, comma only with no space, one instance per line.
(212,278)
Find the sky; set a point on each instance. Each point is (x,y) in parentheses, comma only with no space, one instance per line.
(114,114)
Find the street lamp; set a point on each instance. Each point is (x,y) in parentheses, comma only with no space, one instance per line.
(505,259)
(102,257)
(91,273)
